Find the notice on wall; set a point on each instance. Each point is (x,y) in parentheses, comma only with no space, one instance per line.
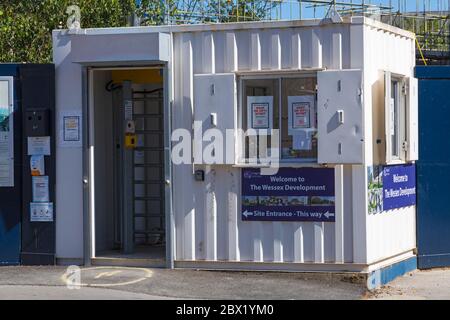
(40,189)
(260,113)
(6,138)
(391,187)
(39,146)
(41,212)
(70,129)
(293,194)
(128,110)
(37,165)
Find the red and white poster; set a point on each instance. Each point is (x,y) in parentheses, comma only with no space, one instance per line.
(260,113)
(301,115)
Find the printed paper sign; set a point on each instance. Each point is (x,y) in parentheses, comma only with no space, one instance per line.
(300,115)
(260,113)
(70,129)
(128,110)
(293,194)
(41,212)
(37,165)
(39,146)
(40,189)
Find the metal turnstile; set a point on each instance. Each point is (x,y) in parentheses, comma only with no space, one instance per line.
(139,218)
(148,162)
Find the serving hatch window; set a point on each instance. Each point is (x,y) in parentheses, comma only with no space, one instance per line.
(284,103)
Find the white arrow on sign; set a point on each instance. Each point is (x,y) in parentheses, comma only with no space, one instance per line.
(246,213)
(328,214)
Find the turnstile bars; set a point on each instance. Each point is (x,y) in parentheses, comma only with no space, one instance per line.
(148,162)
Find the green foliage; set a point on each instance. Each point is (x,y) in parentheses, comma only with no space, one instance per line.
(26,26)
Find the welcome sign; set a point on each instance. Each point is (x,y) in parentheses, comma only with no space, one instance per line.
(399,186)
(391,187)
(293,194)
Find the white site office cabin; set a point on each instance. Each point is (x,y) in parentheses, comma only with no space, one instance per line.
(354,108)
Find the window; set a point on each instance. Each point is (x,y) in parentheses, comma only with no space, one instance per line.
(299,119)
(260,112)
(395,119)
(284,103)
(396,114)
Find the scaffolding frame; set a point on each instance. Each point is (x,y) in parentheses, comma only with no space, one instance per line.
(428,19)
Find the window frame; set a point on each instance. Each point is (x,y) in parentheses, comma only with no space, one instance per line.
(279,76)
(402,99)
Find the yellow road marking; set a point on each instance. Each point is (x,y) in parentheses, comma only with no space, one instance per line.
(107,274)
(148,274)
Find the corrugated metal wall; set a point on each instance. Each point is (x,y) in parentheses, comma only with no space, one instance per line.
(393,232)
(208,225)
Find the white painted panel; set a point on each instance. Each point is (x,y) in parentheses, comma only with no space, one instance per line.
(340,117)
(69,185)
(215,96)
(339,209)
(413,121)
(121,47)
(388,109)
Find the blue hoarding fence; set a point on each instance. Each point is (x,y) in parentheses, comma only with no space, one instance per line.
(433,167)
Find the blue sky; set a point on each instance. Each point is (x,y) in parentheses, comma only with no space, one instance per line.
(291,9)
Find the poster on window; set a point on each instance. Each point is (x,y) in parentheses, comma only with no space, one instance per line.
(260,113)
(301,114)
(6,136)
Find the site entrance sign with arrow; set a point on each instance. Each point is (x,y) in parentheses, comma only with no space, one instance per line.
(293,194)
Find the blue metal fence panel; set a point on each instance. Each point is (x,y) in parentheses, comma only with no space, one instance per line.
(10,197)
(433,168)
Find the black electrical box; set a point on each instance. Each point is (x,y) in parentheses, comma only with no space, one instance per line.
(37,123)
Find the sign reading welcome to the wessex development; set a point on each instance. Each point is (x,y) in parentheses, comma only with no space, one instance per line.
(391,187)
(399,186)
(293,194)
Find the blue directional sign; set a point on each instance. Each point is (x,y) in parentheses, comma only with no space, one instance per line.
(293,194)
